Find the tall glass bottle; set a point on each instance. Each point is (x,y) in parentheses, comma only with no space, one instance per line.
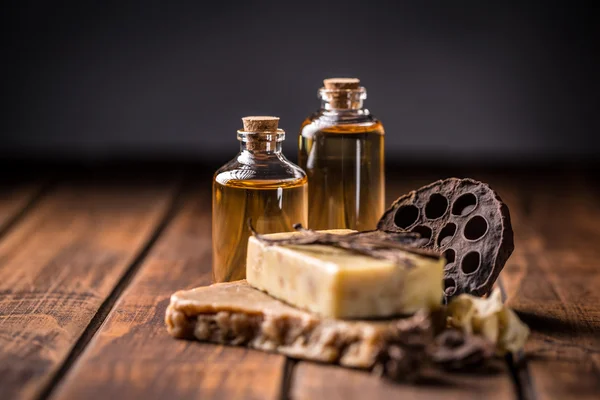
(341,150)
(259,183)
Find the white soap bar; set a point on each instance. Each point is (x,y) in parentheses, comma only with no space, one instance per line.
(342,284)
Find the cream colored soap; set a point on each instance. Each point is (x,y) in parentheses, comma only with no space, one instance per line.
(338,283)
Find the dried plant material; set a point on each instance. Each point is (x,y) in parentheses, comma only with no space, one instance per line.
(404,353)
(490,318)
(456,350)
(513,332)
(463,219)
(377,244)
(404,358)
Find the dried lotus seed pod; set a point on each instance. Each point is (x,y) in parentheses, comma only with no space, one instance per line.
(463,219)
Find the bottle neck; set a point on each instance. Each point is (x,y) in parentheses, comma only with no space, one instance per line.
(261,143)
(342,99)
(260,147)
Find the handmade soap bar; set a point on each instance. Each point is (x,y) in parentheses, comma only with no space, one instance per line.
(339,283)
(235,313)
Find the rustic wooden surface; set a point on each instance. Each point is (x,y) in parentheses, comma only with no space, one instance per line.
(552,282)
(87,268)
(14,202)
(132,356)
(57,267)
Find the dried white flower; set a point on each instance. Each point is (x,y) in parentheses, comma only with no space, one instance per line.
(490,318)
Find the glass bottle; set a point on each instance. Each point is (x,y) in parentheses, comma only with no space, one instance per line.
(259,183)
(341,150)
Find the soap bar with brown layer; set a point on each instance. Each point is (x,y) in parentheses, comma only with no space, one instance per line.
(235,313)
(339,283)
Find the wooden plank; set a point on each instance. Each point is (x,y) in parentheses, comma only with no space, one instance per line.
(316,381)
(59,265)
(14,199)
(552,282)
(132,356)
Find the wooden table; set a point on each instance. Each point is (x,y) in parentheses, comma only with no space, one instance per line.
(88,260)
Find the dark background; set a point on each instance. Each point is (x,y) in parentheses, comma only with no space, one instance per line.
(456,81)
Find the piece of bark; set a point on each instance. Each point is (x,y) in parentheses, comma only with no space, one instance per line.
(391,246)
(236,314)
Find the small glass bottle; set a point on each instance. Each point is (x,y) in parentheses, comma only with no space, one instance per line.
(341,150)
(259,183)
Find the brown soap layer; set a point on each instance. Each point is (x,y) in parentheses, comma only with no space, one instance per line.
(236,314)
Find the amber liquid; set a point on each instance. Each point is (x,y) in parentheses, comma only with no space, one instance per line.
(274,206)
(345,168)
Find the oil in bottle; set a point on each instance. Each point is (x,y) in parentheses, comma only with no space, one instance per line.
(341,148)
(258,184)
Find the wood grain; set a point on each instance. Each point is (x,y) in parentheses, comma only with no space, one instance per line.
(132,356)
(314,381)
(552,282)
(14,198)
(58,265)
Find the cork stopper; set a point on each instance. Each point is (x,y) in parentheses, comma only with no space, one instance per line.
(260,124)
(341,83)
